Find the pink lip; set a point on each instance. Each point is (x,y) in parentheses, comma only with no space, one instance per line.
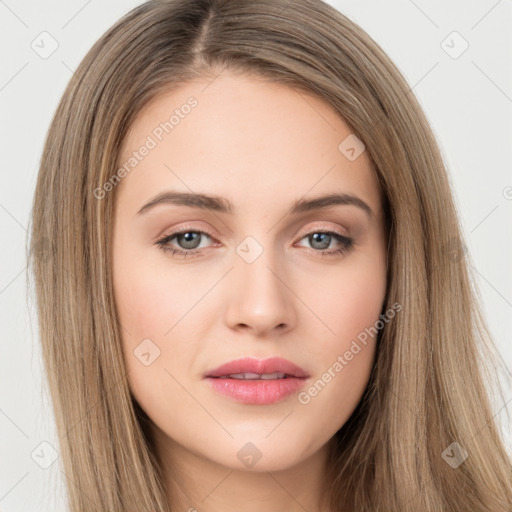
(251,365)
(261,391)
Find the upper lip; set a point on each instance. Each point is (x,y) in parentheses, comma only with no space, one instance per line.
(251,365)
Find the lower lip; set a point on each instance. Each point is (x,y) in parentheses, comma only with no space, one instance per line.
(257,392)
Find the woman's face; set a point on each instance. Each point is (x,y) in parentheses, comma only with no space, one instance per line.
(264,270)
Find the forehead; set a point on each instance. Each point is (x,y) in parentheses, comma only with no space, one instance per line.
(243,138)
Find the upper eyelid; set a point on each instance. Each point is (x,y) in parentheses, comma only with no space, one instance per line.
(180,231)
(316,226)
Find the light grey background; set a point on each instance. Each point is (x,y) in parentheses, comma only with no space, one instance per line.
(467,99)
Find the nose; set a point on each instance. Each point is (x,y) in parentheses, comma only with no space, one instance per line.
(260,300)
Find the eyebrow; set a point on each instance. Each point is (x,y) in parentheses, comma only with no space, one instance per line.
(222,205)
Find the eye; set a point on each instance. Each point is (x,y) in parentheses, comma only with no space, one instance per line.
(320,240)
(189,242)
(188,239)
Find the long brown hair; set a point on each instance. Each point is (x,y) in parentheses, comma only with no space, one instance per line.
(435,365)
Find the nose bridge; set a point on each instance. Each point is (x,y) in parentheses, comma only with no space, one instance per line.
(259,298)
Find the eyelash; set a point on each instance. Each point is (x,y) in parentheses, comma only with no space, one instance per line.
(347,243)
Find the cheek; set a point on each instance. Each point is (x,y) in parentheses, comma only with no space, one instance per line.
(156,356)
(150,298)
(349,302)
(150,303)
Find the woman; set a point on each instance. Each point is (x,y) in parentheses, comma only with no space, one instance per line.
(257,368)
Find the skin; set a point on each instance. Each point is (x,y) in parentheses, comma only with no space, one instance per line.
(262,146)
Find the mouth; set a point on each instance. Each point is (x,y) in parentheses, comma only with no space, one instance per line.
(255,382)
(250,368)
